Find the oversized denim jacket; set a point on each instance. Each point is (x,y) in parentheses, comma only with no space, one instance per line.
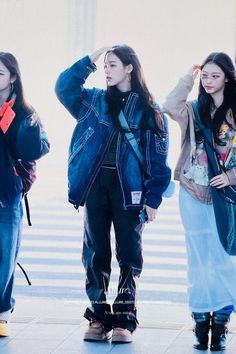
(93,134)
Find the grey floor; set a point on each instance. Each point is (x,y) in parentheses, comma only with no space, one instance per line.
(43,326)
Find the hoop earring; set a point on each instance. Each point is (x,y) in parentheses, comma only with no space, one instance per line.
(11,86)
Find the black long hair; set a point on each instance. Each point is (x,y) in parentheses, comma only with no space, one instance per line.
(11,64)
(206,101)
(138,84)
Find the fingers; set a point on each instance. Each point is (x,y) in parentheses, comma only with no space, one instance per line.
(96,55)
(150,212)
(107,49)
(194,70)
(220,181)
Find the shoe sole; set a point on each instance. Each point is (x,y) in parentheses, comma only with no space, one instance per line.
(96,338)
(121,339)
(217,349)
(200,347)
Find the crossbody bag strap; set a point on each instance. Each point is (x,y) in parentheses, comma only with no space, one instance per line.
(130,137)
(208,141)
(200,125)
(134,144)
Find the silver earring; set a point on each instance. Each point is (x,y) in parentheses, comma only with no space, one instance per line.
(12,86)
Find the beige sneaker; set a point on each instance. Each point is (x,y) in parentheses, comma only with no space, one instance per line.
(4,330)
(121,335)
(96,332)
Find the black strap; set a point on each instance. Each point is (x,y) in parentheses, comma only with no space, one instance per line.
(27,208)
(25,274)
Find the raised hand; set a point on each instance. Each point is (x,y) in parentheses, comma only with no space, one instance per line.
(194,70)
(96,55)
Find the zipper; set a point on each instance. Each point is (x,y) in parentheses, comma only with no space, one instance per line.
(98,167)
(118,169)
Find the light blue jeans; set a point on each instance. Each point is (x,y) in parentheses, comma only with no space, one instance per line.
(10,236)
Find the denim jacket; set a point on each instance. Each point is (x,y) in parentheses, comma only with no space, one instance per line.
(92,136)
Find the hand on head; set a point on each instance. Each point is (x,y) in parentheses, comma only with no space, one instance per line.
(194,70)
(96,55)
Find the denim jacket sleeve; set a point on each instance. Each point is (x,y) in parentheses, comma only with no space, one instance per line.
(31,142)
(69,85)
(158,173)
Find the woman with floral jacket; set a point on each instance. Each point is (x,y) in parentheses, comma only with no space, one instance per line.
(211,270)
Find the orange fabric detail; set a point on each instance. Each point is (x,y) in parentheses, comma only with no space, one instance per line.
(6,115)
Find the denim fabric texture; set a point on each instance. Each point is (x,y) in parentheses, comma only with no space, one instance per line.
(10,237)
(92,137)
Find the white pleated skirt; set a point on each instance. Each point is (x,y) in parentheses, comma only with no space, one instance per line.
(211,271)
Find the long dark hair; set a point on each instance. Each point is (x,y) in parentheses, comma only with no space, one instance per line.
(205,100)
(138,84)
(11,64)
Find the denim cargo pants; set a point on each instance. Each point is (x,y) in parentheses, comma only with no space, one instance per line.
(102,208)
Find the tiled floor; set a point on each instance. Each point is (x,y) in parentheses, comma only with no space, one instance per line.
(41,326)
(67,339)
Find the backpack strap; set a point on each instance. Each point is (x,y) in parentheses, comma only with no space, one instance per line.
(24,272)
(27,208)
(130,137)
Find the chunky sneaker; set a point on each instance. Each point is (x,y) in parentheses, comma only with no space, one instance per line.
(4,330)
(96,332)
(121,335)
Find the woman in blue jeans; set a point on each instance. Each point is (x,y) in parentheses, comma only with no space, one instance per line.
(23,139)
(107,177)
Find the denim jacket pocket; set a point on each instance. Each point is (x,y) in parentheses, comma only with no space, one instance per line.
(161,143)
(80,143)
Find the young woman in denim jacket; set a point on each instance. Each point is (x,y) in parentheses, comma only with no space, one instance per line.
(106,175)
(211,270)
(21,138)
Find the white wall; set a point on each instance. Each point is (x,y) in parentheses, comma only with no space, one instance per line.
(168,35)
